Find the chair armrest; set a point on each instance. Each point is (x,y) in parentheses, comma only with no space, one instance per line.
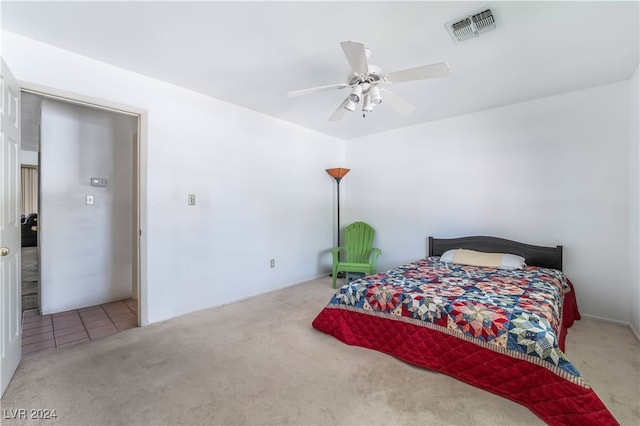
(335,251)
(375,252)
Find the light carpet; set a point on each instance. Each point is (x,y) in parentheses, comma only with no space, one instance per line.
(259,362)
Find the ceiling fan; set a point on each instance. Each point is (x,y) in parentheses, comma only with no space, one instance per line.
(364,78)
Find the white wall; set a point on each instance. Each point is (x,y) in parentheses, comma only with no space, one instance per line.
(28,158)
(550,171)
(260,183)
(634,197)
(85,250)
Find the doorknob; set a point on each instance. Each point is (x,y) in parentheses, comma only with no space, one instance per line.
(4,251)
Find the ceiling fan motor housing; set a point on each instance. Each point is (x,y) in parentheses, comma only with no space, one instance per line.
(354,78)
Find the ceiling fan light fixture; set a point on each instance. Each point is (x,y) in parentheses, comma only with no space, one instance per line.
(367,106)
(374,95)
(350,105)
(356,93)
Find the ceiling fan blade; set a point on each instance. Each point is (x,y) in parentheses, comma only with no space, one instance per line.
(340,112)
(396,102)
(440,69)
(301,92)
(356,55)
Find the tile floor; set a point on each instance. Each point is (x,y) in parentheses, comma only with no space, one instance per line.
(46,332)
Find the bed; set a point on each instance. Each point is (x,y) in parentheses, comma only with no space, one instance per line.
(495,327)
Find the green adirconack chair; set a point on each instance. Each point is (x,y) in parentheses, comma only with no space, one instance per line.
(359,254)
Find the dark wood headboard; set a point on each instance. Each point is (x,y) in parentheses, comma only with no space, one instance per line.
(546,257)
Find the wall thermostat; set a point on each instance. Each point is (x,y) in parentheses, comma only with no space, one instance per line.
(98,181)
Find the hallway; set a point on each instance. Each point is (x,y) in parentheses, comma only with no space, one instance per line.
(47,332)
(30,288)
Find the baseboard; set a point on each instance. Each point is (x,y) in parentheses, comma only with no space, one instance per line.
(609,320)
(612,321)
(234,300)
(264,293)
(635,332)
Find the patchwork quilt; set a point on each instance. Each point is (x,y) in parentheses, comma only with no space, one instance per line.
(500,330)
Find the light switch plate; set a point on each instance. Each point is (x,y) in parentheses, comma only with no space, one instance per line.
(89,200)
(98,181)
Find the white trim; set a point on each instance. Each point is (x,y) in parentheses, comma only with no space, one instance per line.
(612,321)
(601,319)
(635,332)
(243,298)
(74,98)
(143,120)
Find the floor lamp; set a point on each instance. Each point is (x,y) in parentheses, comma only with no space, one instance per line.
(338,174)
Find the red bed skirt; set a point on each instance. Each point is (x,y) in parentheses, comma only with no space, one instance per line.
(570,313)
(555,399)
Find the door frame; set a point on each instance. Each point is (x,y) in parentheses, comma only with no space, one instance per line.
(139,240)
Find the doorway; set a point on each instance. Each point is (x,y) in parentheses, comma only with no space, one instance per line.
(86,244)
(29,196)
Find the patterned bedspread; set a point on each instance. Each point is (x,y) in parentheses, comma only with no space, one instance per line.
(507,316)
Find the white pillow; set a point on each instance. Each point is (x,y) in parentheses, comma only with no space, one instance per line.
(447,256)
(508,261)
(512,261)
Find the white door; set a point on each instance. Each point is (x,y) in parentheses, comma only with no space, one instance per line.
(10,241)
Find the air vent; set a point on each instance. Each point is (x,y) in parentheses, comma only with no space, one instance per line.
(472,25)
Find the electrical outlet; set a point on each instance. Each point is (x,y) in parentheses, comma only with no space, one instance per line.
(192,199)
(272,263)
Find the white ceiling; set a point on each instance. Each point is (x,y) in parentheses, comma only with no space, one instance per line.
(252,53)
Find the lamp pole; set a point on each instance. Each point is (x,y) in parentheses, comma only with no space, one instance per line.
(338,174)
(338,191)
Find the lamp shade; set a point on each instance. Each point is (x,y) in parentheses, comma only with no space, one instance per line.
(338,173)
(356,93)
(374,94)
(350,105)
(367,106)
